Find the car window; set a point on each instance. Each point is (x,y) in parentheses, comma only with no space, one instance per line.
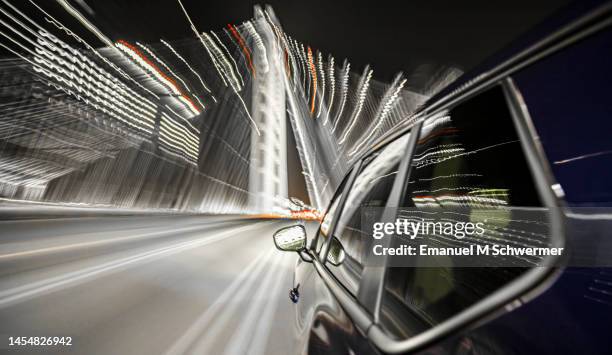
(370,189)
(469,157)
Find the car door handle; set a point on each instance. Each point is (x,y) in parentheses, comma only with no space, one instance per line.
(294,294)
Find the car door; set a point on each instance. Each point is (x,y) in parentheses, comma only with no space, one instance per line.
(332,330)
(313,292)
(470,162)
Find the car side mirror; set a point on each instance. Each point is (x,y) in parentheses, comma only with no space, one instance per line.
(292,238)
(336,253)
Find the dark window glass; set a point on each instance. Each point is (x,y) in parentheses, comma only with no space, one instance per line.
(572,114)
(370,189)
(469,157)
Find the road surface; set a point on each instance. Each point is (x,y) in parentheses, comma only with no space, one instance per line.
(146,285)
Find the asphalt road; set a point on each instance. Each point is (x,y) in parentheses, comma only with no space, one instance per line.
(146,285)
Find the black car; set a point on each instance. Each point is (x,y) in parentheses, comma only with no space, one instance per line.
(531,129)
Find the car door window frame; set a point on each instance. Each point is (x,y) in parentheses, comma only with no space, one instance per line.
(522,289)
(366,315)
(395,193)
(361,316)
(344,195)
(339,192)
(371,289)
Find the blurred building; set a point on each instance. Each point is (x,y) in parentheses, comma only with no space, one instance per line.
(268,173)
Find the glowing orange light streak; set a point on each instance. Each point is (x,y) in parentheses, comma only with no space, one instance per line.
(161,73)
(313,72)
(245,49)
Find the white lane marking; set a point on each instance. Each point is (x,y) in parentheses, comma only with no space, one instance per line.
(21,293)
(264,326)
(63,248)
(237,290)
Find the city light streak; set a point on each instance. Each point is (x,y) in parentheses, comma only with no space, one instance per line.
(79,70)
(313,72)
(459,200)
(245,50)
(91,27)
(227,53)
(64,73)
(198,36)
(142,114)
(362,92)
(179,138)
(450,176)
(292,63)
(74,56)
(223,64)
(147,64)
(261,49)
(437,152)
(428,162)
(158,60)
(188,66)
(332,87)
(385,107)
(307,160)
(307,68)
(299,48)
(70,33)
(343,92)
(322,79)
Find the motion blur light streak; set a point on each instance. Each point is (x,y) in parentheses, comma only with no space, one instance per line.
(201,324)
(227,53)
(168,69)
(322,78)
(385,107)
(179,153)
(58,25)
(362,91)
(245,50)
(143,61)
(195,30)
(187,64)
(332,87)
(36,289)
(86,23)
(261,49)
(343,92)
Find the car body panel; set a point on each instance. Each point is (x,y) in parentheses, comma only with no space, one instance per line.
(567,94)
(568,98)
(322,325)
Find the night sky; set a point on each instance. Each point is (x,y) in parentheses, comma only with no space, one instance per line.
(389,35)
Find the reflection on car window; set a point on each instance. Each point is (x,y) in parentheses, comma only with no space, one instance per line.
(370,189)
(468,157)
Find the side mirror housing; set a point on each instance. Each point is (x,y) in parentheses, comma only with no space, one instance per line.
(292,238)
